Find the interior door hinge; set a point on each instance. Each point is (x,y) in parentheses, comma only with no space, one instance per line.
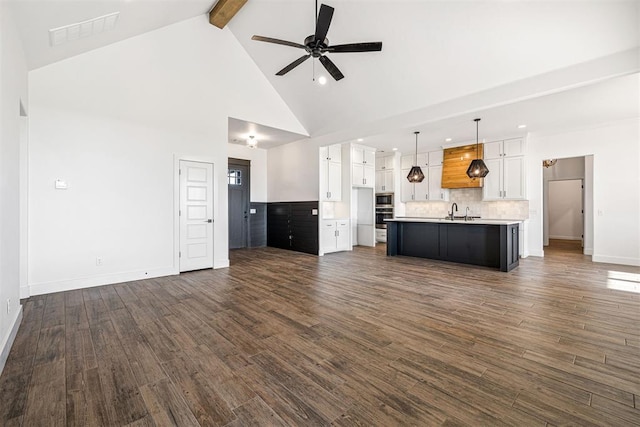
(179,254)
(179,171)
(179,212)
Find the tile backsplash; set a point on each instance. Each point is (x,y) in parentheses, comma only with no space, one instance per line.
(471,197)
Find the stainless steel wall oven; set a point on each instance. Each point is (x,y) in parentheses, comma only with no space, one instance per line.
(384,208)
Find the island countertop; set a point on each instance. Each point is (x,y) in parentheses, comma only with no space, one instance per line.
(478,221)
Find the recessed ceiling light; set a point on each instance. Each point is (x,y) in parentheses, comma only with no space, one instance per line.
(322,80)
(522,126)
(360,139)
(395,149)
(448,140)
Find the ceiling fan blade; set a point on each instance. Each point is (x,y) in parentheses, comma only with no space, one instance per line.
(323,23)
(293,65)
(278,41)
(331,68)
(355,47)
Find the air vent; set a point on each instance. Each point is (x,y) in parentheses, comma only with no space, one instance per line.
(81,30)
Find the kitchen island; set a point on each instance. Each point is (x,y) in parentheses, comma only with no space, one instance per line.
(490,243)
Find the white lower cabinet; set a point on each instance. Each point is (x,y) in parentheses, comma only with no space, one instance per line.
(335,235)
(381,235)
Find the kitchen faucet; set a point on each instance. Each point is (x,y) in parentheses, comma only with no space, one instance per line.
(453,205)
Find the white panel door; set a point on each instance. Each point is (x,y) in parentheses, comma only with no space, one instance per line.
(196,215)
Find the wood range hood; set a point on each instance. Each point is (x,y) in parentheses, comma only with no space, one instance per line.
(455,164)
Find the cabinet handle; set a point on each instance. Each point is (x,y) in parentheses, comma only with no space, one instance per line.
(505,194)
(328,194)
(426,196)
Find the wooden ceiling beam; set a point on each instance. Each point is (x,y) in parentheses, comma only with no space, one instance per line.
(224,11)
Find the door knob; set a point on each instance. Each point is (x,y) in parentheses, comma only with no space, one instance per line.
(209,220)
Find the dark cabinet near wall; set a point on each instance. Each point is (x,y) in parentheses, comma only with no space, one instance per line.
(491,245)
(293,225)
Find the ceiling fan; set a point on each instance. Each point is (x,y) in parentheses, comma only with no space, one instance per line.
(317,45)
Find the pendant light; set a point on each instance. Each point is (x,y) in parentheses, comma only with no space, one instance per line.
(415,174)
(477,168)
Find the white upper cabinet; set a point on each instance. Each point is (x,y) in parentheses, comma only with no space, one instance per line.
(406,162)
(331,173)
(436,158)
(430,189)
(506,148)
(363,162)
(506,178)
(384,163)
(436,192)
(384,181)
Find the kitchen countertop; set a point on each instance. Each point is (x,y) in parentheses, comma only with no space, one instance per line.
(478,221)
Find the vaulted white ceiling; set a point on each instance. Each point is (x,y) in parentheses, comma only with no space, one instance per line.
(442,62)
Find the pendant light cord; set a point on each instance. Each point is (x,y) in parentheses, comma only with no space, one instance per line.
(416,157)
(477,139)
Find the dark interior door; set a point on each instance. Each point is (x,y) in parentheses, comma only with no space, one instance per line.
(238,179)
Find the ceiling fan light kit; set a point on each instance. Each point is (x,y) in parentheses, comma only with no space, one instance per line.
(317,45)
(477,168)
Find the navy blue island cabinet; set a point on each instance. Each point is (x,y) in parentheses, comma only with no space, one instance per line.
(490,243)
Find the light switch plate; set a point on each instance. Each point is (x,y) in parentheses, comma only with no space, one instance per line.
(61,184)
(314,211)
(252,211)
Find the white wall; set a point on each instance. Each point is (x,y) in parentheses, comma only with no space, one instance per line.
(13,90)
(112,122)
(565,210)
(258,159)
(616,186)
(294,172)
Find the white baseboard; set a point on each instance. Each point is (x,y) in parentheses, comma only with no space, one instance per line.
(588,251)
(566,237)
(11,336)
(616,260)
(24,292)
(89,282)
(539,253)
(220,263)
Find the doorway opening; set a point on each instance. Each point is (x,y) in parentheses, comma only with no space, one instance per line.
(568,205)
(239,183)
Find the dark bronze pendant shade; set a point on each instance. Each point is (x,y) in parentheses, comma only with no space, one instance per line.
(415,174)
(477,168)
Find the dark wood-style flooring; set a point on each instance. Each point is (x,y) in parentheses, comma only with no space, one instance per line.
(353,338)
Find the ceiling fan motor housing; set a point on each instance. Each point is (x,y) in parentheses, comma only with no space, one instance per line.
(315,47)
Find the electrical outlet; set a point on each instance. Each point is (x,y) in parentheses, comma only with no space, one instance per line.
(99,260)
